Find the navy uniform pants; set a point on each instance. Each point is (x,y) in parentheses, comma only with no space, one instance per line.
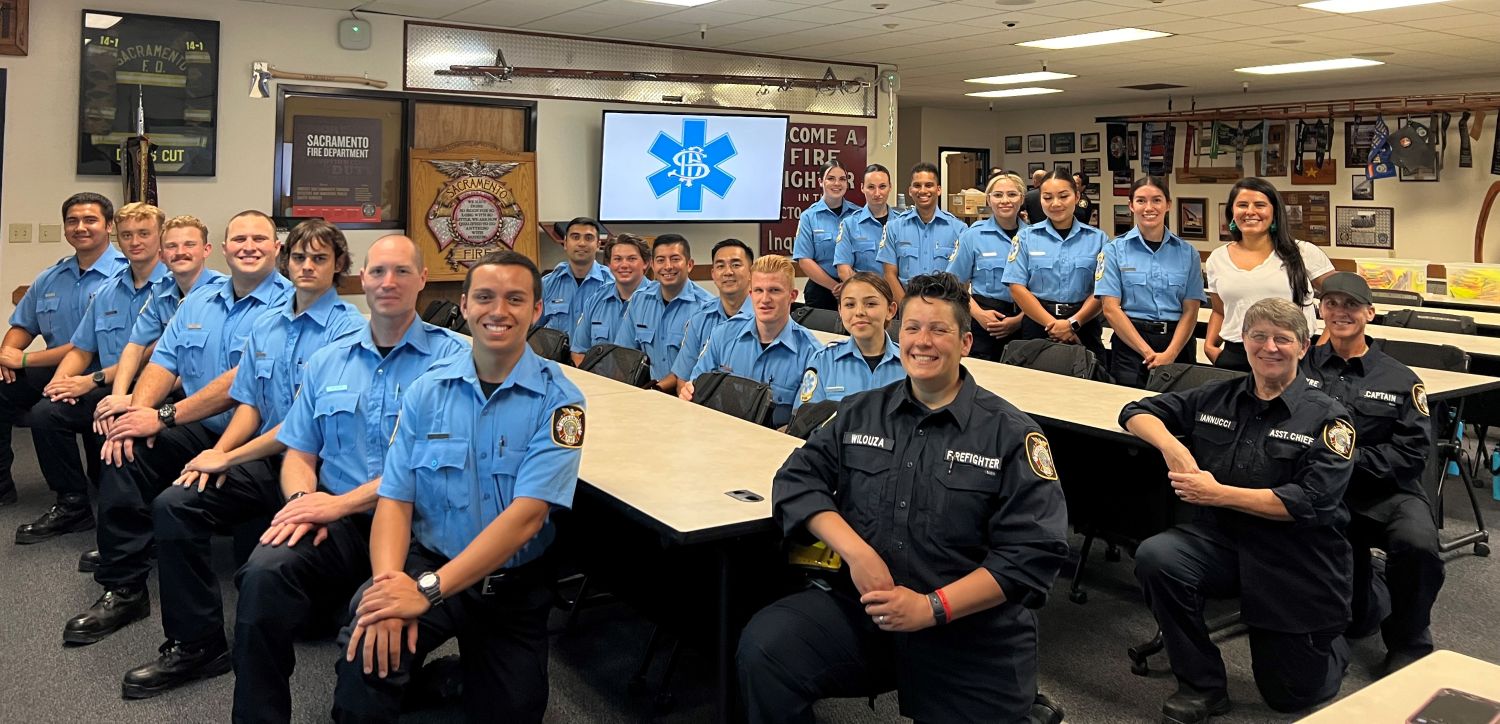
(126,493)
(53,426)
(16,399)
(502,643)
(1403,527)
(1128,367)
(817,295)
(1181,568)
(286,590)
(185,521)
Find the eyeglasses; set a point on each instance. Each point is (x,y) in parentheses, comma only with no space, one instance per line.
(1281,340)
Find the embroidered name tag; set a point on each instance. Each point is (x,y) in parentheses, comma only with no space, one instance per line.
(1315,384)
(988,254)
(1216,421)
(1382,396)
(194,325)
(855,438)
(974,459)
(437,436)
(1298,438)
(336,388)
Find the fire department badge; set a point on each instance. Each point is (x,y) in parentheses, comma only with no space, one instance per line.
(474,213)
(1338,435)
(809,385)
(567,426)
(1039,454)
(1419,398)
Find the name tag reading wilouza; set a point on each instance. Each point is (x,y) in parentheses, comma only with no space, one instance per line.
(859,438)
(567,426)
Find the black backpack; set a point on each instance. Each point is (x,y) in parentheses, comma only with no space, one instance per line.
(445,314)
(551,344)
(621,364)
(1063,359)
(1179,376)
(810,416)
(739,397)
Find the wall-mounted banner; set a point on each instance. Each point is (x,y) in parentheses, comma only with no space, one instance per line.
(808,147)
(336,168)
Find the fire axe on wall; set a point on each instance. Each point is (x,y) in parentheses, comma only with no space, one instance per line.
(261,74)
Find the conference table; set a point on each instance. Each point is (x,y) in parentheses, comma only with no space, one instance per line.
(1395,698)
(1445,301)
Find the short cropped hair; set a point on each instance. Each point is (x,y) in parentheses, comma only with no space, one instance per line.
(924,167)
(186,222)
(508,257)
(1282,313)
(941,287)
(88,197)
(668,239)
(628,239)
(249,212)
(325,234)
(749,254)
(877,281)
(585,221)
(775,264)
(140,211)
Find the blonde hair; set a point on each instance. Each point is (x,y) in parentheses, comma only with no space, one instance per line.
(186,222)
(999,177)
(774,264)
(140,211)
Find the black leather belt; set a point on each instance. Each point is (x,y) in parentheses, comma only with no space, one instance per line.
(1151,327)
(996,305)
(1061,309)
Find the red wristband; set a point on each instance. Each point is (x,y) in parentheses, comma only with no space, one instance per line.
(947,610)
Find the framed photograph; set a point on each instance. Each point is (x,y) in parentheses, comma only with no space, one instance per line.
(1035,166)
(1123,219)
(1012,144)
(1358,139)
(1361,187)
(1121,183)
(1036,143)
(1424,173)
(356,192)
(1092,190)
(1059,143)
(1063,167)
(1309,214)
(1133,144)
(1365,227)
(1192,218)
(14,22)
(168,65)
(1090,166)
(1273,160)
(1088,143)
(1224,234)
(1094,217)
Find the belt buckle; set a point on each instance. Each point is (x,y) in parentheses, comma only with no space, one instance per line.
(492,584)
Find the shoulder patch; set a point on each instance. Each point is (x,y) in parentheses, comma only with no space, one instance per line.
(1039,454)
(1015,250)
(567,426)
(1419,398)
(1338,435)
(809,385)
(1099,267)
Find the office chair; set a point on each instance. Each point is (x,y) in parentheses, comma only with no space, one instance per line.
(551,344)
(822,320)
(741,397)
(445,314)
(1180,376)
(1396,296)
(810,416)
(1058,358)
(1430,321)
(621,364)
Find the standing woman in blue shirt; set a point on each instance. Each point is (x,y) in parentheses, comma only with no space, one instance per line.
(868,358)
(980,259)
(1052,270)
(1151,289)
(817,230)
(861,233)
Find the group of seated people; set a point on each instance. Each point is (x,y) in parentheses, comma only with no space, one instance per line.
(395,480)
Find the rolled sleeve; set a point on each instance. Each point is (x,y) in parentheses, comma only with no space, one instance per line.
(804,485)
(1028,533)
(1174,409)
(1316,492)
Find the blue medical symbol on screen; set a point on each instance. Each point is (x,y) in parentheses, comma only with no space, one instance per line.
(691,164)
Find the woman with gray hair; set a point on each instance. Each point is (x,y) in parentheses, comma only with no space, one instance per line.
(1264,460)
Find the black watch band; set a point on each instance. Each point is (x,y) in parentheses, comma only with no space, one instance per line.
(98,378)
(296,495)
(167,413)
(939,614)
(1075,325)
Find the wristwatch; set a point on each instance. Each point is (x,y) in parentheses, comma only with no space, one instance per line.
(430,587)
(167,413)
(98,378)
(1075,325)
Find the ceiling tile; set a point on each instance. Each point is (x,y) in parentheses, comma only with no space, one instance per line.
(510,14)
(417,8)
(578,22)
(1219,8)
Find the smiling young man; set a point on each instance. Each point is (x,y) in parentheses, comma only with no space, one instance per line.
(656,321)
(573,282)
(237,481)
(1388,506)
(943,500)
(52,307)
(731,273)
(922,240)
(73,393)
(487,444)
(767,345)
(601,313)
(201,348)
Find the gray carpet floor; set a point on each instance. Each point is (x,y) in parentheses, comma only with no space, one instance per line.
(1083,646)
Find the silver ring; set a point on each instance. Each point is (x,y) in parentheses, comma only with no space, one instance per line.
(880,619)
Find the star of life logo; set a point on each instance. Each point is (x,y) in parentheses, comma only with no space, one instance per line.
(692,165)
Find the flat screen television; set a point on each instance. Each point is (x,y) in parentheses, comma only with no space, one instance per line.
(691,167)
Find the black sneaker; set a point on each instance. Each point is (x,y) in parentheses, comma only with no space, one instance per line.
(116,609)
(65,516)
(178,664)
(1192,707)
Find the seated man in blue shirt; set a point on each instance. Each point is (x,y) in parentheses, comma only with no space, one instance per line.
(731,273)
(766,345)
(656,321)
(487,445)
(316,552)
(51,309)
(575,281)
(68,409)
(602,312)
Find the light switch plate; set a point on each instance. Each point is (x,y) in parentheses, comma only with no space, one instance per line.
(50,233)
(19,234)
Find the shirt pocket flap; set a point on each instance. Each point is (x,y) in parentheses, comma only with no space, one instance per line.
(866,459)
(440,454)
(264,368)
(194,338)
(48,304)
(971,479)
(334,403)
(110,322)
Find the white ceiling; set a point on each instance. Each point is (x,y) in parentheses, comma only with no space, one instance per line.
(936,44)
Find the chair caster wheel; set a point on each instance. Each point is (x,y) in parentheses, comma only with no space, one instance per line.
(1079,597)
(1140,668)
(1482,549)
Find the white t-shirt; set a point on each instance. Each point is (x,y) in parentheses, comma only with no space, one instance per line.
(1239,288)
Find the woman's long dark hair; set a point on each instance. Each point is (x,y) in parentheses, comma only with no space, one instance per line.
(1282,242)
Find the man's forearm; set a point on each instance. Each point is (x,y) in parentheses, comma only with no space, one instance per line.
(153,386)
(263,446)
(496,544)
(211,400)
(17,338)
(390,536)
(127,367)
(72,364)
(48,357)
(241,427)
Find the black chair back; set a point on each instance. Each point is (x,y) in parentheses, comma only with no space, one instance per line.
(1430,321)
(1180,376)
(621,364)
(810,416)
(551,344)
(445,314)
(1396,296)
(822,320)
(1063,359)
(735,396)
(1421,354)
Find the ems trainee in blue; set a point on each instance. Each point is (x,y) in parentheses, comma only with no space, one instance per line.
(817,232)
(575,281)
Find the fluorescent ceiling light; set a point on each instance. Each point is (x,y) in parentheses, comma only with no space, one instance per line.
(1310,66)
(1038,76)
(679,3)
(1364,6)
(1013,92)
(1119,35)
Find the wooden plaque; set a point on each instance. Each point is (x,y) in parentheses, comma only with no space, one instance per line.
(467,200)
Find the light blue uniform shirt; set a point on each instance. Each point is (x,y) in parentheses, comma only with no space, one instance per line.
(54,304)
(860,237)
(351,399)
(461,459)
(205,337)
(735,348)
(564,295)
(165,297)
(658,328)
(817,230)
(601,316)
(1151,285)
(1057,269)
(105,328)
(700,327)
(918,248)
(281,341)
(982,253)
(839,370)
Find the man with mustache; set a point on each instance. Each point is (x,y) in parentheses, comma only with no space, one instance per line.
(657,318)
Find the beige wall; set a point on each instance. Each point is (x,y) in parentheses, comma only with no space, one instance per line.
(43,108)
(924,130)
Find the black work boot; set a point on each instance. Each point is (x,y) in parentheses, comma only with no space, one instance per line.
(1188,706)
(114,610)
(70,514)
(89,562)
(178,664)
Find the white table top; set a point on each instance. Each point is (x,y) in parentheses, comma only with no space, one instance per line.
(1481,318)
(1476,304)
(1395,698)
(1474,344)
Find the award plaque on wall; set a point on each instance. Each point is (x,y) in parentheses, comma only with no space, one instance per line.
(468,200)
(167,68)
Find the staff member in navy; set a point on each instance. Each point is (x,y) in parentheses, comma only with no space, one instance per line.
(1264,460)
(943,499)
(575,281)
(486,445)
(1388,507)
(1052,269)
(818,231)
